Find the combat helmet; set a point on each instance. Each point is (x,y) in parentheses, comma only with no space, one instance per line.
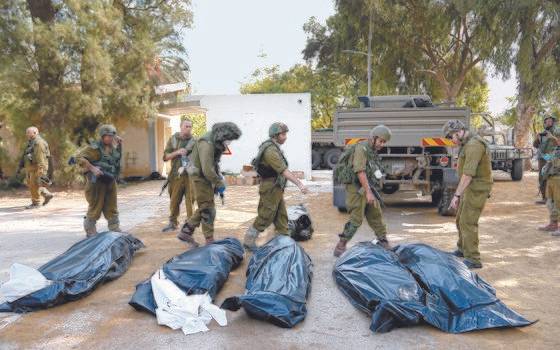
(277,128)
(107,129)
(382,132)
(452,126)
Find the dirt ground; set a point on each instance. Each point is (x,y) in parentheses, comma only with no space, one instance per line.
(521,262)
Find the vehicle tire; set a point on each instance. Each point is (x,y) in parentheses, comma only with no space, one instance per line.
(436,197)
(390,188)
(315,159)
(517,170)
(331,157)
(443,207)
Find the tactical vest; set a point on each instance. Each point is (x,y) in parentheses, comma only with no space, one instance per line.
(266,171)
(547,145)
(28,153)
(344,170)
(108,163)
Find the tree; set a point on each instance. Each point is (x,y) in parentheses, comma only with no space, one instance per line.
(419,45)
(67,65)
(328,89)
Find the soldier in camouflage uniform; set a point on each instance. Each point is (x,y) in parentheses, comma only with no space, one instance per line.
(475,174)
(204,169)
(35,160)
(178,150)
(101,162)
(551,176)
(272,167)
(360,168)
(545,142)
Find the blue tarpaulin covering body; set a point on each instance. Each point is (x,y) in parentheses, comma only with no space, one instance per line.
(278,284)
(416,282)
(75,273)
(196,271)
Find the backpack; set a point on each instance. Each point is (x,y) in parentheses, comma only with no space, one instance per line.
(343,172)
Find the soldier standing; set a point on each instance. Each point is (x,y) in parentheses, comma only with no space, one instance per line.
(35,160)
(360,168)
(207,181)
(272,167)
(178,150)
(545,145)
(101,162)
(475,183)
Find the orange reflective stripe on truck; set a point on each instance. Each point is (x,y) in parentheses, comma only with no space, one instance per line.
(437,142)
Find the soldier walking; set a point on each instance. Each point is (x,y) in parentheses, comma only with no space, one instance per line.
(35,161)
(178,150)
(360,169)
(101,161)
(272,167)
(475,183)
(207,180)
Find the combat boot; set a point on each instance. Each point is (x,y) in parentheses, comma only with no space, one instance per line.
(472,264)
(209,240)
(340,247)
(47,196)
(250,239)
(457,253)
(551,227)
(384,243)
(170,227)
(32,206)
(89,227)
(114,225)
(186,234)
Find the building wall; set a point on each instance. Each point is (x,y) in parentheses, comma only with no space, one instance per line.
(136,150)
(254,114)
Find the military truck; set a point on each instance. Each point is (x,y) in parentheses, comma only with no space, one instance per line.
(417,157)
(505,156)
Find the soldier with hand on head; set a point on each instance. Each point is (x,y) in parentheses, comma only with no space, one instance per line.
(35,161)
(178,150)
(272,167)
(204,169)
(360,169)
(475,183)
(101,162)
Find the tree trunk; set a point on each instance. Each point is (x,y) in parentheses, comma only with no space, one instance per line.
(525,110)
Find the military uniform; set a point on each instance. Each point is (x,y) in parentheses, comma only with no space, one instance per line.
(271,163)
(552,177)
(101,192)
(545,145)
(474,161)
(36,164)
(363,158)
(179,186)
(204,169)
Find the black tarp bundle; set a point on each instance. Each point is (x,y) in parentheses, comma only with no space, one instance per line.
(196,271)
(278,284)
(78,271)
(416,282)
(299,223)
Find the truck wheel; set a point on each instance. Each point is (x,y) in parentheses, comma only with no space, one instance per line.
(443,207)
(517,170)
(331,157)
(315,160)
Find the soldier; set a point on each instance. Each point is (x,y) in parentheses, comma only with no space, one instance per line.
(545,142)
(204,169)
(545,145)
(178,150)
(360,168)
(272,167)
(35,160)
(101,161)
(475,182)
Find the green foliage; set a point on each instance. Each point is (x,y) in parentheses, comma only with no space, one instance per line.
(328,89)
(67,65)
